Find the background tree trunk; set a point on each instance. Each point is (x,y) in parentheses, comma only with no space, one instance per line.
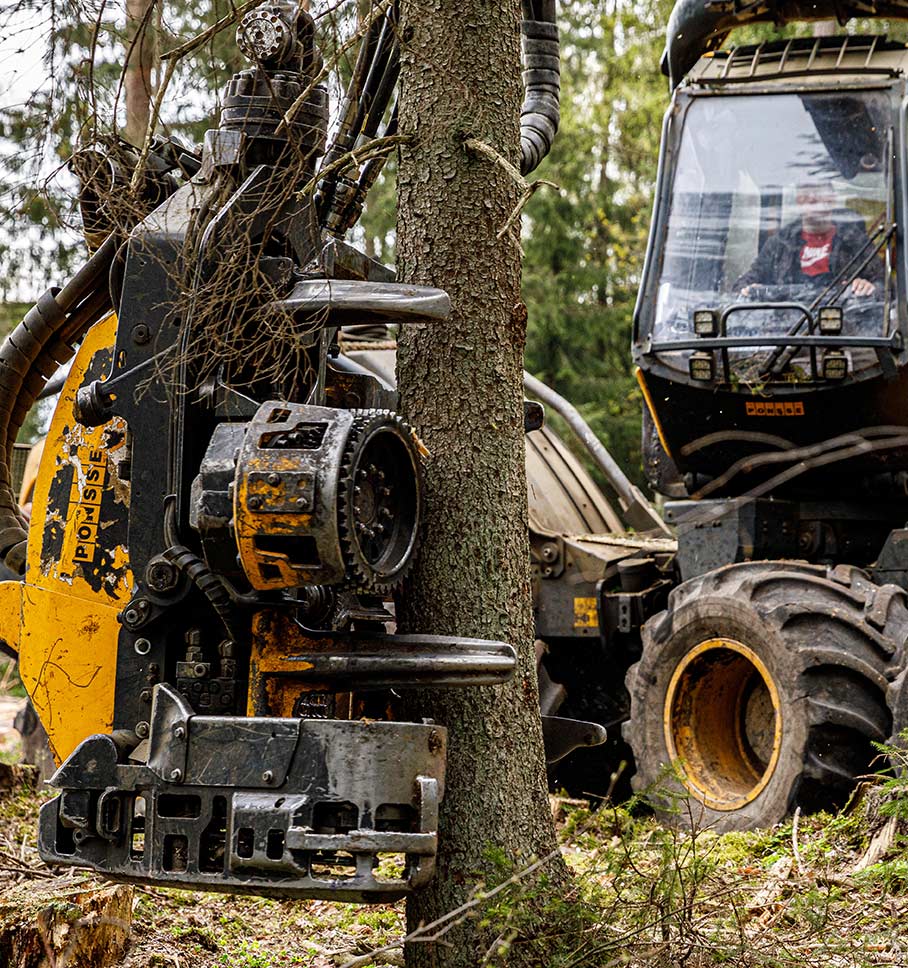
(140,55)
(461,387)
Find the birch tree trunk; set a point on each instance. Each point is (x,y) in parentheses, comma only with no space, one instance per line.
(140,55)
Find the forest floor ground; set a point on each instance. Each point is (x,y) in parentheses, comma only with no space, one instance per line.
(824,890)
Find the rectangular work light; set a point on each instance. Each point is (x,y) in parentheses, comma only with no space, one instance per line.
(702,366)
(835,365)
(706,322)
(830,320)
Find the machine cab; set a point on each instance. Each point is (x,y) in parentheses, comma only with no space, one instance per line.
(772,310)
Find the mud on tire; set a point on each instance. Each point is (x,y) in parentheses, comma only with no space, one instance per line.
(761,688)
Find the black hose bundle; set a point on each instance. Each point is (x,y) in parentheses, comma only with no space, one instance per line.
(29,357)
(341,194)
(540,112)
(208,583)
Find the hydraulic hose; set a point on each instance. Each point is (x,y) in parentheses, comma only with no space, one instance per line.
(209,584)
(370,90)
(638,512)
(29,356)
(540,112)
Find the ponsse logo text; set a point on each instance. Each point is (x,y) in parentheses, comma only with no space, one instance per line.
(774,408)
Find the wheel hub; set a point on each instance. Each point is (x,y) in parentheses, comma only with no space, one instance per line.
(723,723)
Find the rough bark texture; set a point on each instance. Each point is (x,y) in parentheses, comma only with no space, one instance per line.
(461,387)
(44,927)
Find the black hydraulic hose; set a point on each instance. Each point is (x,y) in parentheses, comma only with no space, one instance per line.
(540,112)
(349,112)
(197,571)
(386,50)
(383,94)
(373,166)
(209,584)
(375,75)
(29,356)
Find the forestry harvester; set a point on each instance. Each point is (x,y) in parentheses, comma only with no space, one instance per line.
(770,339)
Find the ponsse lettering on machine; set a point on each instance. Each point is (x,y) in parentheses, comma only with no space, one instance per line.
(774,408)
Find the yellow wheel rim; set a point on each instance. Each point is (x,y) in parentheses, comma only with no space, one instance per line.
(723,723)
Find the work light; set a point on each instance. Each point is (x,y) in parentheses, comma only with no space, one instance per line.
(706,322)
(830,320)
(835,365)
(702,366)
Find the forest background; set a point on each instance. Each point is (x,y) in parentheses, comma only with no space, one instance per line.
(60,70)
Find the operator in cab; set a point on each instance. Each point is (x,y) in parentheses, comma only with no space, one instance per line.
(814,248)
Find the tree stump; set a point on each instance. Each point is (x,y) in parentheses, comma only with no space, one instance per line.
(52,927)
(35,746)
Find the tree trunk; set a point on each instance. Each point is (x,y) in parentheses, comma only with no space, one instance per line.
(49,924)
(461,387)
(140,55)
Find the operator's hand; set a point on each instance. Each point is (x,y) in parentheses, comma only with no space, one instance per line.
(747,290)
(862,287)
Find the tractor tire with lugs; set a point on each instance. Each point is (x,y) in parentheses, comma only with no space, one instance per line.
(762,688)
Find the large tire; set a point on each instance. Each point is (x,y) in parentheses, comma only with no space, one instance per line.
(763,688)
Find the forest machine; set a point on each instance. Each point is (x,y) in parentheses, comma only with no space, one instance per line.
(227,498)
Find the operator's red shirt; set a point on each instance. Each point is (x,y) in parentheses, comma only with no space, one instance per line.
(815,252)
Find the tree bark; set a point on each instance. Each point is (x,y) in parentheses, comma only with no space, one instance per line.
(49,925)
(461,387)
(140,55)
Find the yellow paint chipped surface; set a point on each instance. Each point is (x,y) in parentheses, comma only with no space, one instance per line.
(65,630)
(586,613)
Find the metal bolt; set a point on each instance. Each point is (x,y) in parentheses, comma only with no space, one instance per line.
(254,501)
(267,776)
(386,513)
(141,334)
(179,732)
(145,695)
(154,668)
(200,669)
(142,647)
(274,479)
(142,729)
(176,775)
(302,502)
(131,616)
(162,576)
(549,552)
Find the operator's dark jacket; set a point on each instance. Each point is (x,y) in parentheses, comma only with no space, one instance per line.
(778,263)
